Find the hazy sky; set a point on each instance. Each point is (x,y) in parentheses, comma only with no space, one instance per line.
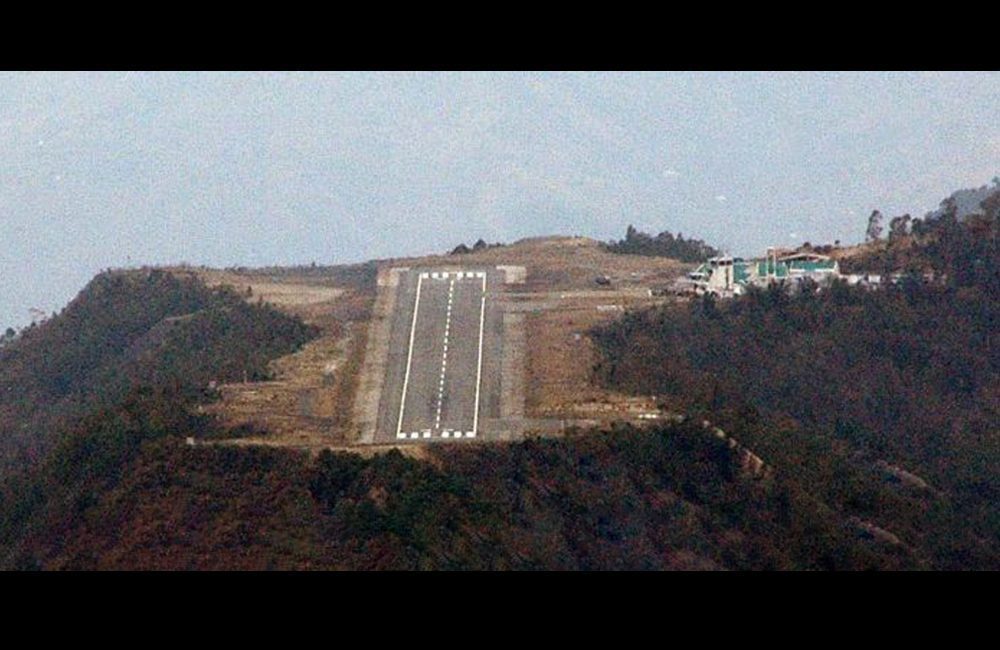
(113,169)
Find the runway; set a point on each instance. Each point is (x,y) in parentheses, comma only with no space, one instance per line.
(442,375)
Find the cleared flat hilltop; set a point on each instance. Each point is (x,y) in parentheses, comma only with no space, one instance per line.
(311,401)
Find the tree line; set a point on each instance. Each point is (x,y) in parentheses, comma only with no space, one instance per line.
(665,244)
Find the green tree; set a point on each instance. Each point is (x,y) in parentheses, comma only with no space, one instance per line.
(899,227)
(874,230)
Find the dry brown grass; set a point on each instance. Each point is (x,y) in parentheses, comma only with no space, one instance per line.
(563,263)
(560,364)
(309,404)
(298,407)
(560,358)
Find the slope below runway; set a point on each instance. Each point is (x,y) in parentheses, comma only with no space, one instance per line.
(442,378)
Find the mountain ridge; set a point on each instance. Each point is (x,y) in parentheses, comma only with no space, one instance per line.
(134,473)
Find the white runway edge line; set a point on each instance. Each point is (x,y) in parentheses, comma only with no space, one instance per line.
(409,358)
(479,365)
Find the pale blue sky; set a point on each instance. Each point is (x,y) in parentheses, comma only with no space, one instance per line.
(112,169)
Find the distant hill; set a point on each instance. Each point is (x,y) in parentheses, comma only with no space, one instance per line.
(963,204)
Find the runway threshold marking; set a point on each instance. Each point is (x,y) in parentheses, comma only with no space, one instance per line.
(428,433)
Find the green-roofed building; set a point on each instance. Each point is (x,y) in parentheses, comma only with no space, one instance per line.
(726,276)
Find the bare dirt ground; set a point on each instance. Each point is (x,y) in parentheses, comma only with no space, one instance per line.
(309,298)
(309,404)
(565,264)
(559,369)
(298,407)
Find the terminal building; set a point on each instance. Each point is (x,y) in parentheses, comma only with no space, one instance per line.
(727,276)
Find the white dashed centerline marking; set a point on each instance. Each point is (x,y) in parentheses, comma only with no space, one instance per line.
(444,356)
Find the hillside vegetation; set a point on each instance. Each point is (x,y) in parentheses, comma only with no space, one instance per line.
(874,411)
(956,241)
(127,332)
(127,361)
(664,244)
(670,498)
(115,485)
(883,404)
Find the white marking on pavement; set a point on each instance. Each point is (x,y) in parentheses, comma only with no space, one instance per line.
(444,359)
(438,411)
(409,356)
(479,365)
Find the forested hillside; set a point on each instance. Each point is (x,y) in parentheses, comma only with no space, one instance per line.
(116,486)
(145,330)
(669,498)
(875,412)
(127,361)
(957,242)
(883,404)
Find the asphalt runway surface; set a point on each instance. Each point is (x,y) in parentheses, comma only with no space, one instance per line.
(442,378)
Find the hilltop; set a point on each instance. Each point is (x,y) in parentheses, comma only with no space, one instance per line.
(307,403)
(190,417)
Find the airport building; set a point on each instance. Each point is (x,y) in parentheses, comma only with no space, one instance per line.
(728,276)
